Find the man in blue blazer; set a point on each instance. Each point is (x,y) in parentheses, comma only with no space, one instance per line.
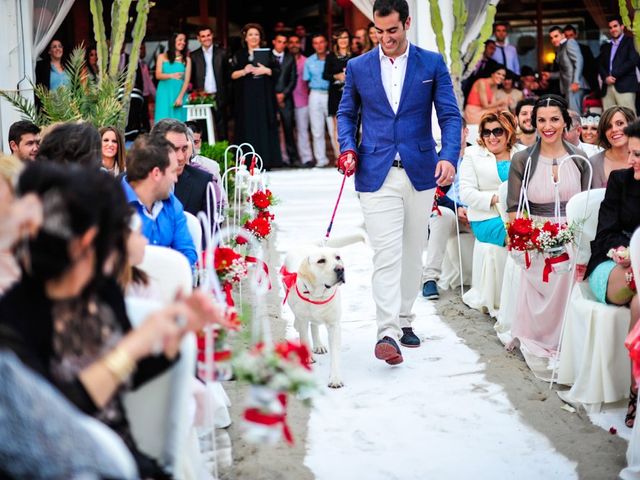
(393,89)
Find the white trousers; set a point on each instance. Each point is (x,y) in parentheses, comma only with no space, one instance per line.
(302,129)
(320,120)
(396,218)
(441,229)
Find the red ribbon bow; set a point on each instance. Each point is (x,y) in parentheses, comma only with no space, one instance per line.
(289,280)
(549,262)
(254,415)
(260,263)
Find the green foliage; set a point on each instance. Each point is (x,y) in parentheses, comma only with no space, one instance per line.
(436,24)
(460,16)
(216,152)
(100,35)
(81,99)
(624,12)
(119,20)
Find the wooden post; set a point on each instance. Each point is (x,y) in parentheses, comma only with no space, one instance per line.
(204,12)
(329,21)
(540,35)
(222,22)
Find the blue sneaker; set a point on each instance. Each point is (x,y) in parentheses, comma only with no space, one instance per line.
(430,290)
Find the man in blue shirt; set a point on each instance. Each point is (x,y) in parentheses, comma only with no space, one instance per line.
(318,99)
(152,171)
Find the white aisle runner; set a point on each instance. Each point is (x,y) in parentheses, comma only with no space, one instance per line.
(433,417)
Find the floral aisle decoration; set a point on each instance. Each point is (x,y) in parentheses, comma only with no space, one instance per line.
(219,350)
(435,208)
(520,234)
(273,373)
(200,97)
(259,220)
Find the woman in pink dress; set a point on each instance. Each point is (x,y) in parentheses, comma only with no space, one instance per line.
(541,305)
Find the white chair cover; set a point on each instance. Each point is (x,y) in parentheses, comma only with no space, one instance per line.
(450,276)
(632,471)
(158,412)
(486,279)
(195,231)
(169,272)
(592,356)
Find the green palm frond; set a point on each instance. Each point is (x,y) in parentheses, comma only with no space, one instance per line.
(26,108)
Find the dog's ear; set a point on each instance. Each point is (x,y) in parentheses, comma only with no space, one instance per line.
(305,272)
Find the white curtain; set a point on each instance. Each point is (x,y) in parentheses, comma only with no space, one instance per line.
(365,6)
(47,17)
(477,13)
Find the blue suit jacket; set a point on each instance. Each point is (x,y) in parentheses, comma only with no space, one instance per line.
(427,82)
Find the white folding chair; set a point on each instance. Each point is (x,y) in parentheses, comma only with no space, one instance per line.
(510,282)
(159,411)
(193,225)
(592,356)
(632,470)
(168,271)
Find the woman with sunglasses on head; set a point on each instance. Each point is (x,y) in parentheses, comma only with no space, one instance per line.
(612,139)
(541,304)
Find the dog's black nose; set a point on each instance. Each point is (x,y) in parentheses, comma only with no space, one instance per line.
(339,273)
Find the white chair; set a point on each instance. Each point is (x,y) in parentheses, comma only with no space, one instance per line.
(450,276)
(195,231)
(510,283)
(632,470)
(592,355)
(159,411)
(202,112)
(168,271)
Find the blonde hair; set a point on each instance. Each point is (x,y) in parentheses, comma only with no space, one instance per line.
(506,121)
(10,168)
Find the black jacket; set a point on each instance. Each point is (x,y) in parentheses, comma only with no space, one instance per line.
(288,76)
(191,189)
(618,218)
(198,70)
(624,66)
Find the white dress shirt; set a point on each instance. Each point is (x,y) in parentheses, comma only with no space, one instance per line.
(393,72)
(209,77)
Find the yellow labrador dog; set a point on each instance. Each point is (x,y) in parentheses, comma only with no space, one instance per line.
(312,276)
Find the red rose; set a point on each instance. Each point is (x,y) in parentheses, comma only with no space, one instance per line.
(224,257)
(261,200)
(259,226)
(521,226)
(552,228)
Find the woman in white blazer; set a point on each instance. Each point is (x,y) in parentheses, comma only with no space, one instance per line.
(484,167)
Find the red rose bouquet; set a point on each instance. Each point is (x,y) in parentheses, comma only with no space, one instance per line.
(262,200)
(200,97)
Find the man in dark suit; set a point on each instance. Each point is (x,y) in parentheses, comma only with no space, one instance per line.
(306,42)
(285,85)
(191,187)
(617,68)
(209,73)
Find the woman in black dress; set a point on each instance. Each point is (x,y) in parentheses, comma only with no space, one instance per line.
(255,98)
(334,72)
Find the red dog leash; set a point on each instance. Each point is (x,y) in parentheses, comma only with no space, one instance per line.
(335,209)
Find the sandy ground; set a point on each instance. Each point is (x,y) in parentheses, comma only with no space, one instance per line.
(597,453)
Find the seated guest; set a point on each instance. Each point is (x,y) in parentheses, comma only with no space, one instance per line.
(24,140)
(589,124)
(191,187)
(619,217)
(574,134)
(509,92)
(614,142)
(482,96)
(540,305)
(151,176)
(527,135)
(203,163)
(134,281)
(442,226)
(66,318)
(113,152)
(72,142)
(484,167)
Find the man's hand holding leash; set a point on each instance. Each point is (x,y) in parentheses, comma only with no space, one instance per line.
(347,162)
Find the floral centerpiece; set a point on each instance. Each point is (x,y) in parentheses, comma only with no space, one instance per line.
(521,233)
(552,239)
(273,373)
(200,97)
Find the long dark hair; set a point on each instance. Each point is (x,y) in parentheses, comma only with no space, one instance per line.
(171,51)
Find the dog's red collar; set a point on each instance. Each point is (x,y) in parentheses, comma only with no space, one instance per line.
(290,279)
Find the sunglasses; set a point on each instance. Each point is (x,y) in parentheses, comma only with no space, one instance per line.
(497,132)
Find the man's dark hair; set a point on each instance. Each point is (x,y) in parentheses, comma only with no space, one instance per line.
(72,142)
(569,28)
(202,28)
(555,28)
(316,35)
(386,7)
(632,130)
(193,126)
(293,35)
(165,126)
(614,18)
(147,154)
(523,103)
(20,128)
(279,34)
(489,41)
(501,24)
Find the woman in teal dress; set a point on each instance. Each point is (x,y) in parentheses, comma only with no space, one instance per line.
(484,167)
(173,71)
